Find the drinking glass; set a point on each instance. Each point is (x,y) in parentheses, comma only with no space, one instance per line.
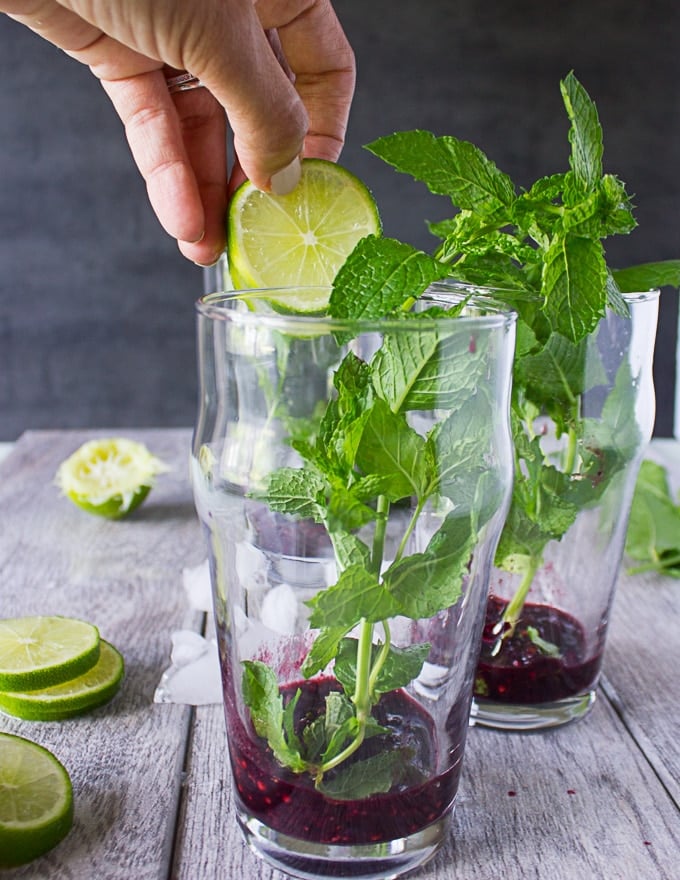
(352,478)
(540,665)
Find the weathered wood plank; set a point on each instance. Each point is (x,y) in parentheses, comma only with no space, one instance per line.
(126,759)
(643,659)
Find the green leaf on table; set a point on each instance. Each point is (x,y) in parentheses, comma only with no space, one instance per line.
(653,536)
(262,697)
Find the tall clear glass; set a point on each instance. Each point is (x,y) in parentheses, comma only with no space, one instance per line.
(549,606)
(352,479)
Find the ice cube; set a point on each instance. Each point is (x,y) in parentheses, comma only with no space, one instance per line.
(197,585)
(280,609)
(193,678)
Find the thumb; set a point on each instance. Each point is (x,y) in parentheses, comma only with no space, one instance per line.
(266,114)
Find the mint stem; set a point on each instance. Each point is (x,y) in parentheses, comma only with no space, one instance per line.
(506,625)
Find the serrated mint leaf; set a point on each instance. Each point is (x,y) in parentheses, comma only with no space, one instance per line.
(262,697)
(648,276)
(426,370)
(556,372)
(323,650)
(449,167)
(356,595)
(296,491)
(585,134)
(574,286)
(399,669)
(391,450)
(374,775)
(380,277)
(425,583)
(654,524)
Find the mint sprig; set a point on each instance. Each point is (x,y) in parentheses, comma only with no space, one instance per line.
(542,250)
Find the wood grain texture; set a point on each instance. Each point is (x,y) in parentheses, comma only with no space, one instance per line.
(125,759)
(596,799)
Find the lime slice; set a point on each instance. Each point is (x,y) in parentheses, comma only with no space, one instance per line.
(39,652)
(109,477)
(300,239)
(36,801)
(74,697)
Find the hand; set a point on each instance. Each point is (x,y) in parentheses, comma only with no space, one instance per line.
(281,72)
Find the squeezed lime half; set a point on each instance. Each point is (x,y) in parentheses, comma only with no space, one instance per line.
(109,477)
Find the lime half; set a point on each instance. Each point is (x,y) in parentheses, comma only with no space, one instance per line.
(300,239)
(36,801)
(109,477)
(74,697)
(39,652)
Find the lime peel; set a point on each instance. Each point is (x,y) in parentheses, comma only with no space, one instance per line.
(36,801)
(109,477)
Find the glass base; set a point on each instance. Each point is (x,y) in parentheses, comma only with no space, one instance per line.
(515,716)
(375,861)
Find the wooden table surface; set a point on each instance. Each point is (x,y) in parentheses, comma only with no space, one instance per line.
(596,799)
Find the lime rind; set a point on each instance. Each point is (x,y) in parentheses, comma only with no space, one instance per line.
(36,801)
(38,652)
(71,698)
(109,477)
(300,239)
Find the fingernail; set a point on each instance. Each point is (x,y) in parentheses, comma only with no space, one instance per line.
(285,180)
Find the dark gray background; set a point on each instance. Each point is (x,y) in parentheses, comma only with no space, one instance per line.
(96,304)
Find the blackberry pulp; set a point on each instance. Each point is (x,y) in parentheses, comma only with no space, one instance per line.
(522,671)
(290,804)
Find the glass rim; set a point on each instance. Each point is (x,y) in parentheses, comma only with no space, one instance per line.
(492,312)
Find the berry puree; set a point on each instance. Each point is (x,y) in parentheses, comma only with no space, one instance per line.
(290,804)
(527,672)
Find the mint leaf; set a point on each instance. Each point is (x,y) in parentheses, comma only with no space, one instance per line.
(356,595)
(297,491)
(574,286)
(374,775)
(448,167)
(323,650)
(380,277)
(262,697)
(426,583)
(653,535)
(427,370)
(400,668)
(647,276)
(585,134)
(391,450)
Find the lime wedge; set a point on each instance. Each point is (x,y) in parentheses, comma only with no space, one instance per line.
(39,652)
(36,801)
(74,697)
(300,239)
(109,477)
